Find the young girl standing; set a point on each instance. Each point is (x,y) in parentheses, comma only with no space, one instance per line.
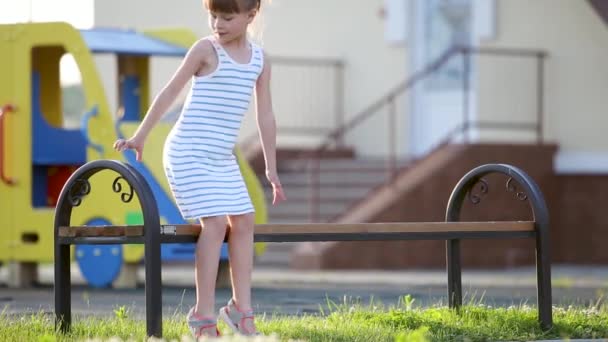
(198,157)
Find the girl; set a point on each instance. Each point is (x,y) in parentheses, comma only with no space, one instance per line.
(200,167)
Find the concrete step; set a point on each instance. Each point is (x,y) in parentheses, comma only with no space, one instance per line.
(301,210)
(280,246)
(327,193)
(295,219)
(357,178)
(339,165)
(298,203)
(277,254)
(341,182)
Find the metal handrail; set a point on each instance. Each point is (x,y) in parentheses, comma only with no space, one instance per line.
(411,81)
(3,111)
(337,135)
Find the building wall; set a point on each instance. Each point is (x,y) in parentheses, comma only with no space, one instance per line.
(349,30)
(576,41)
(580,219)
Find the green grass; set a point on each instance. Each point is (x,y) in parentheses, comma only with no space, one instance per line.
(345,322)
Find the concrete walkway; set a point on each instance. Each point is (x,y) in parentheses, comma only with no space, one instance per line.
(563,277)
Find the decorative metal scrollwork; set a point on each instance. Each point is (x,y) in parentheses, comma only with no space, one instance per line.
(483,189)
(78,191)
(117,187)
(511,187)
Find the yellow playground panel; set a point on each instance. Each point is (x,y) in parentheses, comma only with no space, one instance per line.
(38,152)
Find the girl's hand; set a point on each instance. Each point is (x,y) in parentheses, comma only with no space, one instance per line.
(134,143)
(277,189)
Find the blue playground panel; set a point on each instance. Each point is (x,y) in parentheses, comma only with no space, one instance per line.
(99,264)
(53,145)
(130,98)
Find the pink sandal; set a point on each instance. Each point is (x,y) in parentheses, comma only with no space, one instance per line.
(199,325)
(235,319)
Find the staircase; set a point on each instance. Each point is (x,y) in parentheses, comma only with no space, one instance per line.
(342,182)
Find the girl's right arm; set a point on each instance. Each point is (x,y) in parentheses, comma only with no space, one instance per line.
(195,60)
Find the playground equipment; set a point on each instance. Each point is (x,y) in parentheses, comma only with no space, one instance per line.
(38,153)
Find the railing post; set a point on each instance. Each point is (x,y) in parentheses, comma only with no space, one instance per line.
(392,137)
(465,93)
(540,91)
(314,187)
(339,101)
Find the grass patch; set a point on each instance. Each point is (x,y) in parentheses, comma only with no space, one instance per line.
(348,321)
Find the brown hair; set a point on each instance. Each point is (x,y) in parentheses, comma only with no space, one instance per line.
(232,6)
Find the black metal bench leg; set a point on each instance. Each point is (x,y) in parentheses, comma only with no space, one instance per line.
(154,296)
(63,288)
(75,189)
(529,191)
(454,274)
(543,278)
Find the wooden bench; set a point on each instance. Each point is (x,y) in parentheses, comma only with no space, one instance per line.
(152,234)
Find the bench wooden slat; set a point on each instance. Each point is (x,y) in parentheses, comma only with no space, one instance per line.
(313,228)
(101,231)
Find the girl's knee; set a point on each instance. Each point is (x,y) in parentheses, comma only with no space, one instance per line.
(216,225)
(242,223)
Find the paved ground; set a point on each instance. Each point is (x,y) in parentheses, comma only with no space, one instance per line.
(284,291)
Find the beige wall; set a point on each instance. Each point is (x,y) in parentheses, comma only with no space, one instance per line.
(576,82)
(349,30)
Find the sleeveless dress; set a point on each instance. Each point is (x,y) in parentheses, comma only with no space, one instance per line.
(198,158)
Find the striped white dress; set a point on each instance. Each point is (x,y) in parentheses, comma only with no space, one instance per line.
(198,157)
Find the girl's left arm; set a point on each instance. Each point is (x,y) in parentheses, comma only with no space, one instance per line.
(267,128)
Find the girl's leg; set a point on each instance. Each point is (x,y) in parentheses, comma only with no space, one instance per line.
(206,260)
(240,252)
